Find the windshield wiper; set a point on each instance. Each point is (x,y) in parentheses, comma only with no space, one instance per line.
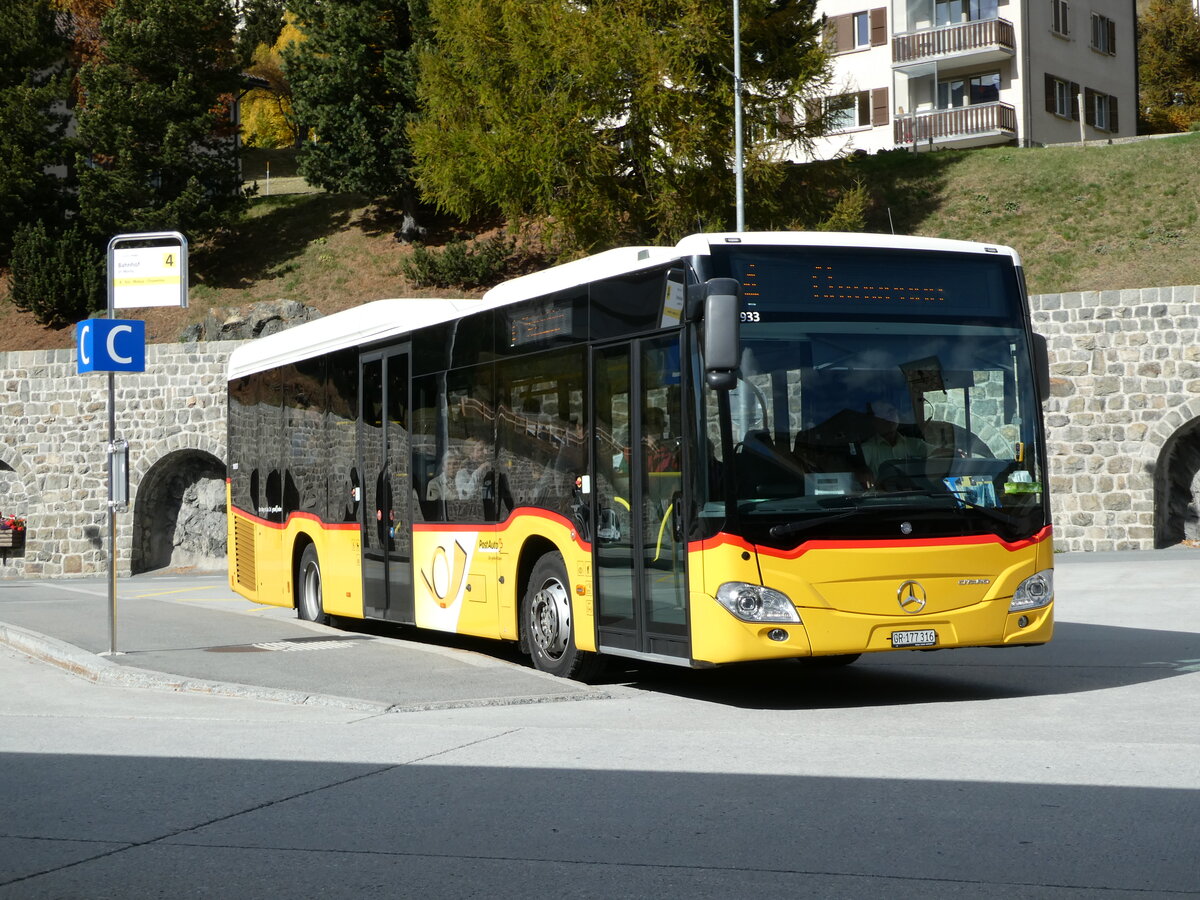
(778,531)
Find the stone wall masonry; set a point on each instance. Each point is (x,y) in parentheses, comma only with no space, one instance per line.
(53,448)
(1123,423)
(1122,416)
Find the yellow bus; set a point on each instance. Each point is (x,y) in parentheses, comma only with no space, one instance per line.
(748,446)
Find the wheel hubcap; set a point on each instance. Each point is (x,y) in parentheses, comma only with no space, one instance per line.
(550,619)
(311,591)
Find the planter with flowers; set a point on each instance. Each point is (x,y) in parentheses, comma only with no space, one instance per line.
(12,531)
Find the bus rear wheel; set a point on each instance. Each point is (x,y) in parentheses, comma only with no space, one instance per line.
(310,604)
(547,622)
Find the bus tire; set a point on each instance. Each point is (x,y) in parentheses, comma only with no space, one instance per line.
(547,622)
(310,604)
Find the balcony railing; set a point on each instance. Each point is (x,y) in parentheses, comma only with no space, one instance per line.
(954,40)
(945,125)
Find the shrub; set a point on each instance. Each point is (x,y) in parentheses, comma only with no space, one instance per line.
(850,212)
(57,276)
(460,264)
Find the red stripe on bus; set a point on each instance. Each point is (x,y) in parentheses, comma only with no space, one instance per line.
(327,526)
(888,543)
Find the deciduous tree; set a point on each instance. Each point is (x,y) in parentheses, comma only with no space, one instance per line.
(614,117)
(1169,65)
(268,115)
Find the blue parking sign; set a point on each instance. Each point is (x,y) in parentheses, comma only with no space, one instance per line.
(111,345)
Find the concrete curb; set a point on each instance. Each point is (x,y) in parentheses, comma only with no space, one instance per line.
(98,670)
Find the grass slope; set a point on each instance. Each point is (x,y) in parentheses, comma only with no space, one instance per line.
(1097,217)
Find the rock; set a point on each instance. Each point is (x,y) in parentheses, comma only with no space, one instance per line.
(258,320)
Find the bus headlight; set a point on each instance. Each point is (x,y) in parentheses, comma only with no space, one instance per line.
(1034,592)
(755,603)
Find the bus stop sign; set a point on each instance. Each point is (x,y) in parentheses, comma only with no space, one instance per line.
(111,345)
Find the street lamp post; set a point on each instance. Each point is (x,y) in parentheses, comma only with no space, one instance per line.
(738,154)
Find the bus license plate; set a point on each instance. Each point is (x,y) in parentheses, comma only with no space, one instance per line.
(925,638)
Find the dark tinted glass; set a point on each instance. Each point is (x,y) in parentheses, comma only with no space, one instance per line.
(342,443)
(541,425)
(796,284)
(628,305)
(550,321)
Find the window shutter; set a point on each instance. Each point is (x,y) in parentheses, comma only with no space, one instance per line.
(864,107)
(879,26)
(1074,101)
(1112,37)
(1089,106)
(1050,79)
(1112,114)
(843,33)
(879,106)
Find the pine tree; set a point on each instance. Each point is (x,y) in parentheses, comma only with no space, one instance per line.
(613,117)
(33,87)
(159,148)
(1169,66)
(352,81)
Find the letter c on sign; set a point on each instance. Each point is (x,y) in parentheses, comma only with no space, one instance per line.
(85,337)
(112,344)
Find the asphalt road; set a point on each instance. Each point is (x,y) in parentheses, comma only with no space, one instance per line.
(1071,770)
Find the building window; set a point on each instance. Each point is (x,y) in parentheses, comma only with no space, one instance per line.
(1062,97)
(956,92)
(952,12)
(1101,110)
(1058,17)
(849,111)
(860,30)
(1104,34)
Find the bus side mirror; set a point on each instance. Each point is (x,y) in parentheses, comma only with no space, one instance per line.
(1041,366)
(722,343)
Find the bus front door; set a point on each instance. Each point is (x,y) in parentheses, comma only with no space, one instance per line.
(383,448)
(639,556)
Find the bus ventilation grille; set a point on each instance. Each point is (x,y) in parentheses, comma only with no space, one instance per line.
(243,554)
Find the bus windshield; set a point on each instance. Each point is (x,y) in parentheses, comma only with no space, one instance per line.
(878,396)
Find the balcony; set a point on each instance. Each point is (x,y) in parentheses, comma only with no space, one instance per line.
(966,126)
(988,40)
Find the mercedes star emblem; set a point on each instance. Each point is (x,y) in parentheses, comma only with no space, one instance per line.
(911,597)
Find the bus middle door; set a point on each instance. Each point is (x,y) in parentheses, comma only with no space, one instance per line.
(384,452)
(639,557)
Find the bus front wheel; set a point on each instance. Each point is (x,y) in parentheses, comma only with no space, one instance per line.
(547,623)
(309,603)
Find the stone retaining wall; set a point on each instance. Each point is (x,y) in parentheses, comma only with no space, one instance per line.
(1123,424)
(1123,414)
(53,456)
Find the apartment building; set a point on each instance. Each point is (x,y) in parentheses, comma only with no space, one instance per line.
(927,74)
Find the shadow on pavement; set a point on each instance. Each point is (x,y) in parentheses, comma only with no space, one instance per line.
(1081,658)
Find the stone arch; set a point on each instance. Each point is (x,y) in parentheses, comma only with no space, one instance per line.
(179,512)
(18,486)
(1176,473)
(19,495)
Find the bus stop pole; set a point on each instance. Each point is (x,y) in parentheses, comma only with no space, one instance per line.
(112,513)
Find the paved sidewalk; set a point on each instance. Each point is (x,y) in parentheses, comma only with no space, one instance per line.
(191,633)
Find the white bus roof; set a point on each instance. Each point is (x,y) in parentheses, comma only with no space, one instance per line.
(384,319)
(701,244)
